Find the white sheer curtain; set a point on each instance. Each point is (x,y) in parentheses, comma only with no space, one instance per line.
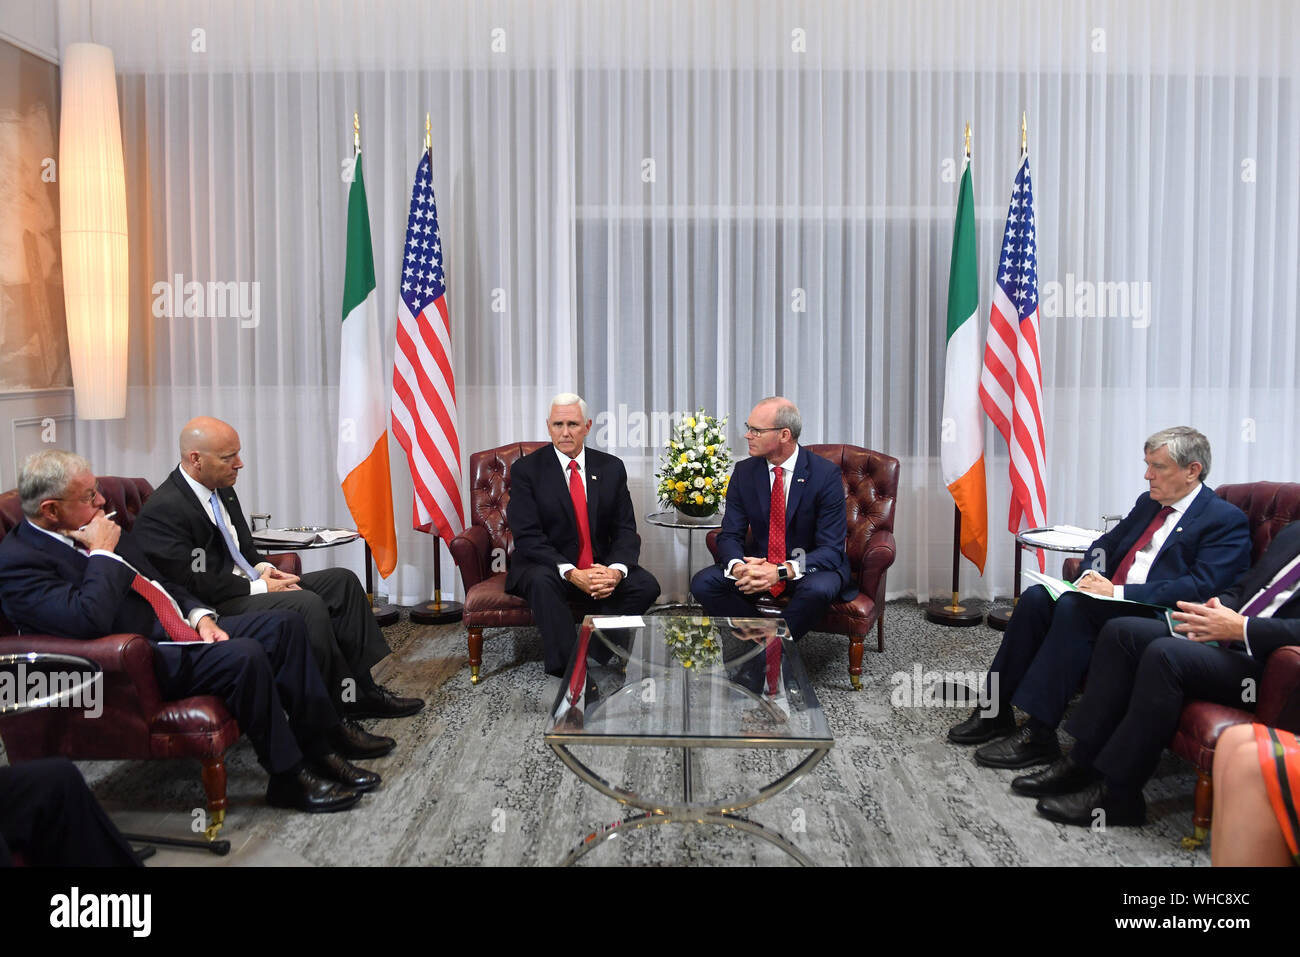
(677,205)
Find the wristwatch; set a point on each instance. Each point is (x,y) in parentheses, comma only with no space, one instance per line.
(782,572)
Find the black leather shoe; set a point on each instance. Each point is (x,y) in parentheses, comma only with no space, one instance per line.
(977,729)
(334,768)
(1022,749)
(1062,776)
(352,741)
(382,703)
(1094,806)
(305,791)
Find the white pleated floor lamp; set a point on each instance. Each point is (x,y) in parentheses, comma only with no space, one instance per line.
(92,224)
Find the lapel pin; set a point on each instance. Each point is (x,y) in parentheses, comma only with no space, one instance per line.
(1178,529)
(800,481)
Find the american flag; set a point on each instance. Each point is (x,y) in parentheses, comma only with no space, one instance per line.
(1011,385)
(424,388)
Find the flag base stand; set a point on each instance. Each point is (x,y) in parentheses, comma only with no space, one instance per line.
(385,613)
(1000,616)
(437,612)
(952,614)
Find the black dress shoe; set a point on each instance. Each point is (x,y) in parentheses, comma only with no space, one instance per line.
(1022,749)
(1062,776)
(304,791)
(977,729)
(379,702)
(1095,805)
(334,768)
(352,741)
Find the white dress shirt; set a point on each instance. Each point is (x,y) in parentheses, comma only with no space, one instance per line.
(1141,567)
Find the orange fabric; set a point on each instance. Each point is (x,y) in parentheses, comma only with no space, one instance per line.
(368,491)
(1279,760)
(972,500)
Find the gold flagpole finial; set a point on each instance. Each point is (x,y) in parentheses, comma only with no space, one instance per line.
(1024,134)
(968,141)
(428,134)
(356,132)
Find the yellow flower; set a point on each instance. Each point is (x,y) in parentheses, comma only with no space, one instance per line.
(709,449)
(708,482)
(699,499)
(684,458)
(690,421)
(680,486)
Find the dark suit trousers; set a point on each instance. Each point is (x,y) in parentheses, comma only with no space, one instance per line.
(49,815)
(345,638)
(549,596)
(1139,680)
(1046,649)
(262,672)
(810,596)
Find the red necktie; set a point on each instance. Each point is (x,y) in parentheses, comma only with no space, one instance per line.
(579,496)
(172,623)
(1121,573)
(776,527)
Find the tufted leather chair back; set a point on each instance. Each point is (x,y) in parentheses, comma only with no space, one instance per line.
(870,491)
(125,495)
(1268,507)
(489,490)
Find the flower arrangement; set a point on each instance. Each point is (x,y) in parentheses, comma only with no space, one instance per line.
(693,643)
(696,465)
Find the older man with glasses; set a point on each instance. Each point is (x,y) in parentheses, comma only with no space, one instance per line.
(783,530)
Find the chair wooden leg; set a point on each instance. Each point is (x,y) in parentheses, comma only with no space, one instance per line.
(475,653)
(880,631)
(214,786)
(855,661)
(1202,811)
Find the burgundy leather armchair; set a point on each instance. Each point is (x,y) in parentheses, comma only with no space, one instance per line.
(871,493)
(480,552)
(136,722)
(1268,507)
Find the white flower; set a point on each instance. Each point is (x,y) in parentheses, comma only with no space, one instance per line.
(699,482)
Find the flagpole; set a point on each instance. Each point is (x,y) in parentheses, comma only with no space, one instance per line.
(436,612)
(955,615)
(385,613)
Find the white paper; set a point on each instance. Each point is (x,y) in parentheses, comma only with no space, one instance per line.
(619,621)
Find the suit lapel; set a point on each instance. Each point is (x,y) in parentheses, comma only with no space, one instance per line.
(188,497)
(797,482)
(1185,521)
(593,492)
(60,552)
(763,489)
(559,486)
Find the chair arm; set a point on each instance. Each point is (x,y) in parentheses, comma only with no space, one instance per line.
(1279,691)
(125,659)
(1070,568)
(470,551)
(877,556)
(286,562)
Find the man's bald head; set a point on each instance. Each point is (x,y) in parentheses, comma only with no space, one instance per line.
(210,452)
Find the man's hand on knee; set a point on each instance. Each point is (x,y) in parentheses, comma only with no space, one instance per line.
(277,580)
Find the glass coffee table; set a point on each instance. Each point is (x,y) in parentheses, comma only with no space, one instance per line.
(688,683)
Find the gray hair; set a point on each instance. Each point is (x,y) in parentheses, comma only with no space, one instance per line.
(570,398)
(46,475)
(786,416)
(1185,445)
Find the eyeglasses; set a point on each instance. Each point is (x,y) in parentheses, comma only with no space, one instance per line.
(88,498)
(752,430)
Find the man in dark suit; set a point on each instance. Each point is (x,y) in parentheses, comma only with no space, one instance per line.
(68,571)
(48,815)
(1141,676)
(574,532)
(1180,542)
(194,530)
(801,553)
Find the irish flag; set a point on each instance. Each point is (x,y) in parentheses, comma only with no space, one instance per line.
(363,432)
(962,432)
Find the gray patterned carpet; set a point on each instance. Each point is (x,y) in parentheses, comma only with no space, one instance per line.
(472,783)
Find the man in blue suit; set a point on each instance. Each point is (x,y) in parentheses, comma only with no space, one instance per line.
(1180,542)
(784,528)
(68,570)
